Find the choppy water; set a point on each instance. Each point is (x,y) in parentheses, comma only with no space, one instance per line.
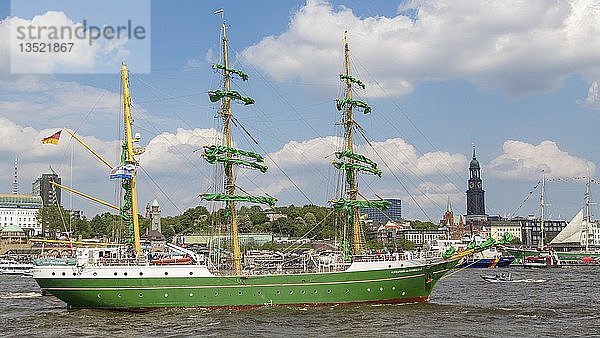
(566,305)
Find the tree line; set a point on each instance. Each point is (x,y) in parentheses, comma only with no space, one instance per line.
(310,221)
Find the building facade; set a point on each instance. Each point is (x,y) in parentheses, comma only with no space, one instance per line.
(500,227)
(153,212)
(21,210)
(453,223)
(531,231)
(42,187)
(378,216)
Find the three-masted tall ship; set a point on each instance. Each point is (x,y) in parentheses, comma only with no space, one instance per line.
(347,276)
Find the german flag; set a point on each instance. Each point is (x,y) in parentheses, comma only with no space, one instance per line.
(53,139)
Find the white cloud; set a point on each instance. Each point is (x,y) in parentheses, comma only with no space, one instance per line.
(83,57)
(521,160)
(593,96)
(491,43)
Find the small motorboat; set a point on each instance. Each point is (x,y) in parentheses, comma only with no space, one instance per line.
(497,278)
(507,278)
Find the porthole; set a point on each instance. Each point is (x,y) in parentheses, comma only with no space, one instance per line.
(315,291)
(54,273)
(303,291)
(240,293)
(403,293)
(191,273)
(390,266)
(381,289)
(115,273)
(191,294)
(95,274)
(166,273)
(393,288)
(124,273)
(291,292)
(63,273)
(120,295)
(140,295)
(99,296)
(258,293)
(141,273)
(328,291)
(278,292)
(74,274)
(216,294)
(166,295)
(401,265)
(347,290)
(369,289)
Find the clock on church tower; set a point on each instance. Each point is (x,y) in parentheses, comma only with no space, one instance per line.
(475,192)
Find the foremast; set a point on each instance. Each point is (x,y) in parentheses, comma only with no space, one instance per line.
(129,211)
(349,161)
(542,217)
(230,156)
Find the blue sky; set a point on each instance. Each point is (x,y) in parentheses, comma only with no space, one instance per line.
(516,79)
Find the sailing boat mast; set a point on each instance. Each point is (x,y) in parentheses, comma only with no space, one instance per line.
(229,177)
(542,221)
(228,155)
(129,158)
(349,161)
(351,179)
(585,226)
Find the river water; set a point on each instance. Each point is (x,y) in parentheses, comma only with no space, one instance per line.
(463,304)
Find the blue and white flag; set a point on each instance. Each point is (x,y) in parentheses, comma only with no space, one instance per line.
(122,171)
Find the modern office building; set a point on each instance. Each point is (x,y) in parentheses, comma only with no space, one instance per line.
(391,214)
(49,193)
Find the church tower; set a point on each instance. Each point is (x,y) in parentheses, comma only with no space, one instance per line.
(153,212)
(475,192)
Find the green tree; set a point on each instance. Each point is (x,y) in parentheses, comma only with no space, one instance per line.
(53,220)
(99,224)
(423,225)
(81,228)
(374,245)
(310,221)
(404,244)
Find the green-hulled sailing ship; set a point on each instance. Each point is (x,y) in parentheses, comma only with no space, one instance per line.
(346,276)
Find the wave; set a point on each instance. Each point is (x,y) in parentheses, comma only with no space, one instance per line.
(18,295)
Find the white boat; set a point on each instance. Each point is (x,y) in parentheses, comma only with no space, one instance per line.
(507,278)
(12,267)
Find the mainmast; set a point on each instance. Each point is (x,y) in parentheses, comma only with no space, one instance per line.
(129,183)
(229,178)
(349,124)
(230,156)
(542,221)
(348,160)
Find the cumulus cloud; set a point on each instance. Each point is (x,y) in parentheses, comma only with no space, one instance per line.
(491,43)
(521,160)
(83,57)
(593,96)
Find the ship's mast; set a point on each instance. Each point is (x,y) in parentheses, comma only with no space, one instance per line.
(586,225)
(229,177)
(351,179)
(129,159)
(542,221)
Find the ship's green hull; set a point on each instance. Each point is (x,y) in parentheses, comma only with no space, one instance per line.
(376,286)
